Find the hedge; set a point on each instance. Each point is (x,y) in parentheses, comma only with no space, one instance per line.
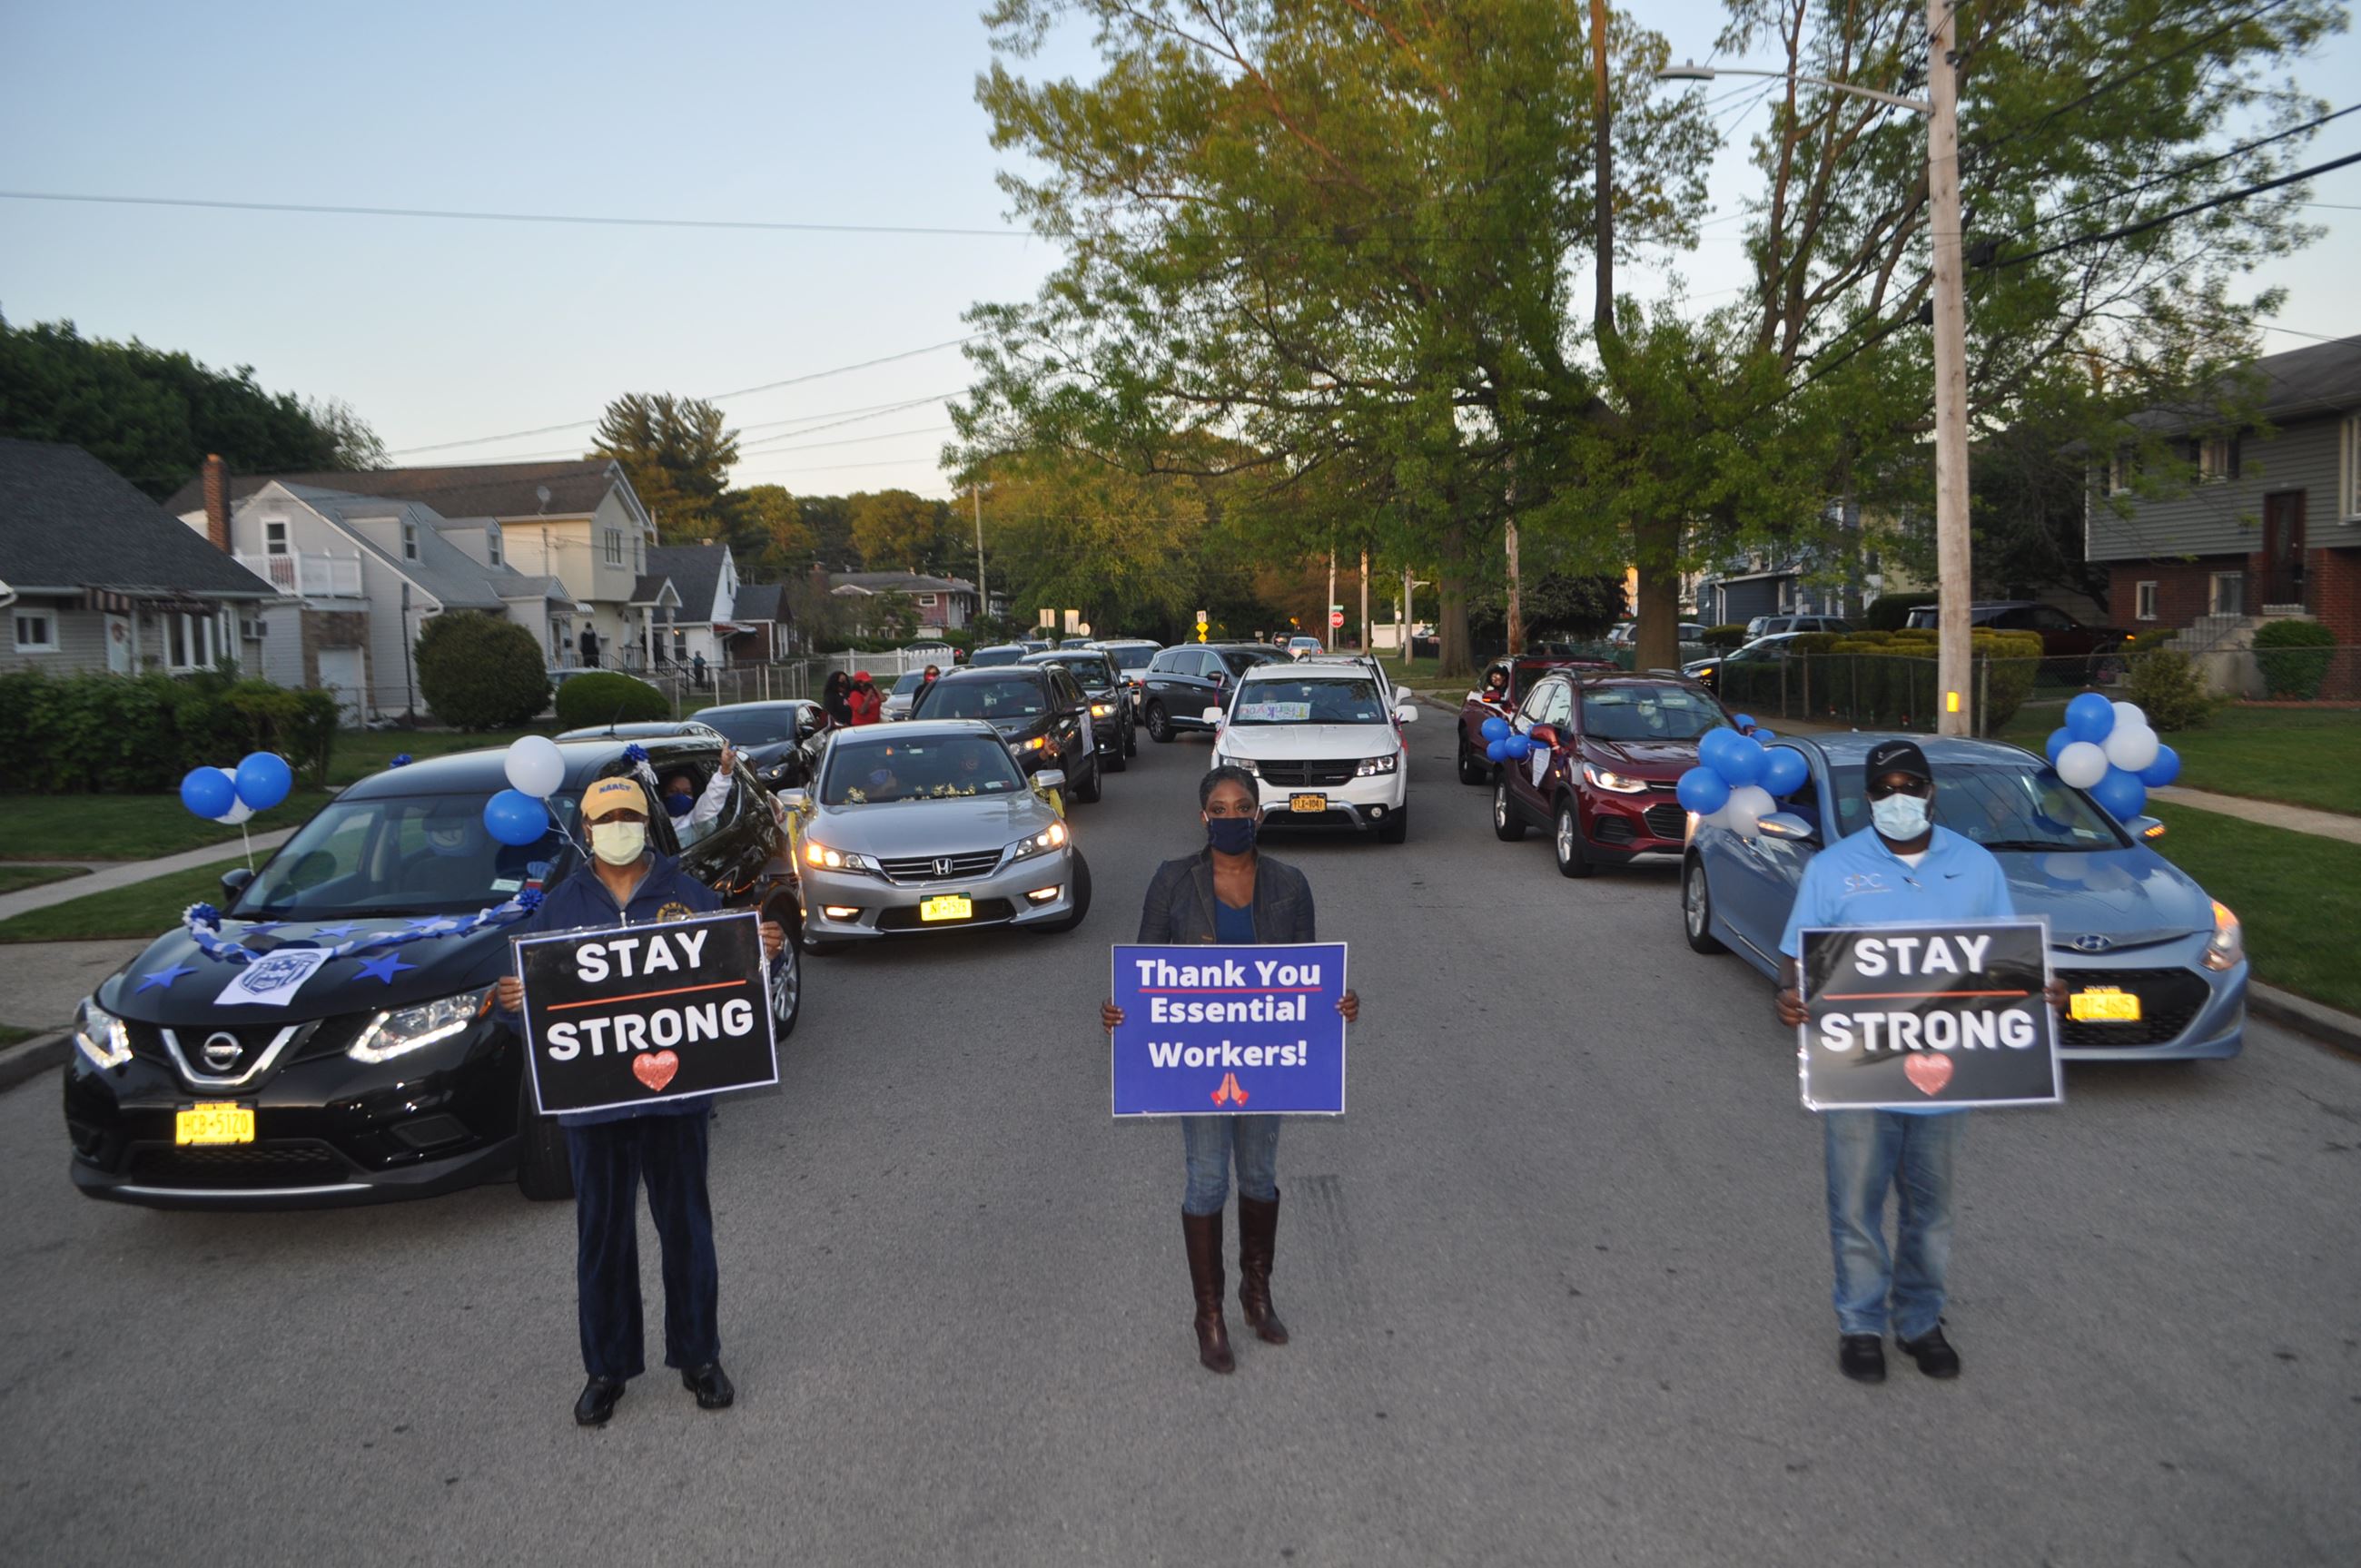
(139,734)
(1890,612)
(480,672)
(608,696)
(1884,679)
(1725,637)
(2294,656)
(2165,684)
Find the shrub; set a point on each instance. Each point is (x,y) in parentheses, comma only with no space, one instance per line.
(2294,656)
(1723,637)
(2155,637)
(141,734)
(2166,686)
(608,696)
(1888,611)
(480,672)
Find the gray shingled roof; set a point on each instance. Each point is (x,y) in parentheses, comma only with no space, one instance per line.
(67,520)
(2325,378)
(452,575)
(764,602)
(647,586)
(898,582)
(506,490)
(694,571)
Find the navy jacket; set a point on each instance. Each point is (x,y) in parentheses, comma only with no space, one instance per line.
(1180,906)
(581,901)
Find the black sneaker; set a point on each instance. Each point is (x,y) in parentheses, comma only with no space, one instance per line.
(710,1385)
(597,1401)
(1862,1357)
(1932,1351)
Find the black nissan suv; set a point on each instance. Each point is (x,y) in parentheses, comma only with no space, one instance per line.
(1040,709)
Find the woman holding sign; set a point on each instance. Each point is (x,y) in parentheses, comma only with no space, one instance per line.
(1229,893)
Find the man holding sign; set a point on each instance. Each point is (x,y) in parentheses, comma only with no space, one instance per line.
(600,1037)
(1901,871)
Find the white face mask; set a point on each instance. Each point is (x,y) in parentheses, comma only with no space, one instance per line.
(619,843)
(1900,817)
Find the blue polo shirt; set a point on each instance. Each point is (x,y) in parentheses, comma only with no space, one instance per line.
(1857,881)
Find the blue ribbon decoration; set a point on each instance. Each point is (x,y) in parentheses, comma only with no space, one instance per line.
(203,923)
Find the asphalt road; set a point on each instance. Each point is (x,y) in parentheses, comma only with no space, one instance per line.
(1558,1287)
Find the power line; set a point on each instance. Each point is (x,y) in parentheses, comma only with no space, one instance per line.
(2127,230)
(880,413)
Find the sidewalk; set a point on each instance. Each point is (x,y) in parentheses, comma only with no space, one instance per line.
(2269,813)
(122,873)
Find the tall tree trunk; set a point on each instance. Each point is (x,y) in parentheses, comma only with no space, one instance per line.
(1450,619)
(1516,616)
(1657,556)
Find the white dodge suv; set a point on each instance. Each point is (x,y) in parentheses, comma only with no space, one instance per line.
(1325,743)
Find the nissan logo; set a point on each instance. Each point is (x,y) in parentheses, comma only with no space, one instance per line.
(2090,944)
(942,865)
(220,1050)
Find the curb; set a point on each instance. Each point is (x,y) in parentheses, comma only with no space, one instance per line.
(2306,1017)
(33,1057)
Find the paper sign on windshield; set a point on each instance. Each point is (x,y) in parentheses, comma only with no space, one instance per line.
(1274,712)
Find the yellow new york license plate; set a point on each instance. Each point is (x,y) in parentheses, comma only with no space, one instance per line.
(2104,1004)
(950,906)
(1307,803)
(213,1122)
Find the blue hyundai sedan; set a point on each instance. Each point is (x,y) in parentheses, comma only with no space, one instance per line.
(2154,969)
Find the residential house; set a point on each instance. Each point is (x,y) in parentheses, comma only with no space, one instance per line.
(97,577)
(944,604)
(712,614)
(767,612)
(577,521)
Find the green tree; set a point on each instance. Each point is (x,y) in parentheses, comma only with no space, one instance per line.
(678,452)
(1071,532)
(768,533)
(894,531)
(480,672)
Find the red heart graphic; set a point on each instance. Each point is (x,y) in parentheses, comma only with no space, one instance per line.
(656,1070)
(1928,1072)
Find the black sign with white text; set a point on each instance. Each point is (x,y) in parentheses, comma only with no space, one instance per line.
(1928,1016)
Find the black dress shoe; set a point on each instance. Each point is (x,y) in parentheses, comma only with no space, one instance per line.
(1862,1357)
(710,1385)
(1933,1353)
(597,1401)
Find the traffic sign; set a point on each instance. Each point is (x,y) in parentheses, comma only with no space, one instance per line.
(1336,618)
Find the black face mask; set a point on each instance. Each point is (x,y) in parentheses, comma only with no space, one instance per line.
(1230,835)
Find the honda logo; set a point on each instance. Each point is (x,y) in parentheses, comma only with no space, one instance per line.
(942,865)
(220,1050)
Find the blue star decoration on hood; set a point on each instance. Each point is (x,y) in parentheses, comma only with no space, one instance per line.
(164,977)
(346,929)
(259,926)
(385,966)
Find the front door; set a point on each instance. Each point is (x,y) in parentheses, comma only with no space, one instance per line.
(2283,548)
(118,644)
(340,673)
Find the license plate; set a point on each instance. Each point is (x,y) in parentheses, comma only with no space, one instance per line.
(950,906)
(1307,803)
(213,1122)
(2105,1004)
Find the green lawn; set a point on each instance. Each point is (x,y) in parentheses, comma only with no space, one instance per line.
(11,1036)
(15,878)
(143,909)
(2302,756)
(2298,895)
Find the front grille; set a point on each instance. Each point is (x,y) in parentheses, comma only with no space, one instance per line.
(940,868)
(1667,821)
(240,1166)
(2170,999)
(1612,830)
(1311,774)
(988,911)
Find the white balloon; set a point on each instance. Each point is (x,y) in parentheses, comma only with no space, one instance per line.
(2082,765)
(535,767)
(2130,747)
(239,810)
(1749,804)
(2128,714)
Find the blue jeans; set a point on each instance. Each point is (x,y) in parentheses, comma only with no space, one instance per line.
(1870,1151)
(1212,1142)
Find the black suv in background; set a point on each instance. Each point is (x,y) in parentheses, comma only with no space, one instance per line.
(1111,722)
(1185,681)
(1039,711)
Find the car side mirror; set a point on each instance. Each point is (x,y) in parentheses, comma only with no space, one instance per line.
(1406,714)
(1049,778)
(2147,830)
(234,883)
(1212,715)
(1788,825)
(1545,735)
(794,799)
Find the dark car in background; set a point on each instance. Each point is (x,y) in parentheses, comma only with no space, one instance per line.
(998,654)
(2067,644)
(1111,726)
(1765,625)
(1185,681)
(1609,752)
(779,741)
(1132,655)
(1768,650)
(385,1075)
(1039,709)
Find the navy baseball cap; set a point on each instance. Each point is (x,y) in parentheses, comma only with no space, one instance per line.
(1896,757)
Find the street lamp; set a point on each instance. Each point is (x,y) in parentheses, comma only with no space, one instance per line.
(1954,589)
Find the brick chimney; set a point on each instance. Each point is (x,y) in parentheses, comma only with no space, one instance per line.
(216,475)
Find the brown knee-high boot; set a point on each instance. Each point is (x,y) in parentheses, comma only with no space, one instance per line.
(1257,1232)
(1204,1234)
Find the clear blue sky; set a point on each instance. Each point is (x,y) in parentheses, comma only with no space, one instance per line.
(439,331)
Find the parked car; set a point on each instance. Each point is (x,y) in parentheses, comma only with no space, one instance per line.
(1185,680)
(1474,710)
(1039,711)
(1324,745)
(1707,672)
(1131,657)
(929,826)
(383,1077)
(1608,752)
(897,700)
(2153,967)
(2097,648)
(1624,634)
(998,654)
(1297,647)
(779,741)
(1765,625)
(1112,724)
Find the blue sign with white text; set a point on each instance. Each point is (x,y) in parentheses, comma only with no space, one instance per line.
(1228,1031)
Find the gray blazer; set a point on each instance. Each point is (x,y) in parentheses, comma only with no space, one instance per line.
(1180,906)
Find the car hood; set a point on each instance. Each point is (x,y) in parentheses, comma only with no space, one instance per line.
(892,830)
(1309,741)
(2129,897)
(1642,759)
(146,989)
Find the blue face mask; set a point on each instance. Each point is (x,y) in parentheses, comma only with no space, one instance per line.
(1900,817)
(1230,835)
(680,805)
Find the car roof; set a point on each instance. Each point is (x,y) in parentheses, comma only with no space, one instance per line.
(1848,746)
(917,730)
(641,730)
(764,705)
(1304,669)
(1053,656)
(485,770)
(969,674)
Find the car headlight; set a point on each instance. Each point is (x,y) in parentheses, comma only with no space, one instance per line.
(1616,783)
(1101,710)
(100,1034)
(1035,745)
(1053,837)
(818,854)
(398,1033)
(1243,764)
(2229,943)
(1368,766)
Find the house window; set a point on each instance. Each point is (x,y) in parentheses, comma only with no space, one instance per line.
(190,641)
(2228,594)
(2348,488)
(614,547)
(37,631)
(924,601)
(492,543)
(2120,469)
(274,536)
(2146,595)
(408,539)
(2213,463)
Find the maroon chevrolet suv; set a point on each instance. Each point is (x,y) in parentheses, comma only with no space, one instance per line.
(1607,751)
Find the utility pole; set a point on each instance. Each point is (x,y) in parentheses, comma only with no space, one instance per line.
(1365,601)
(1328,605)
(982,599)
(1516,627)
(1954,578)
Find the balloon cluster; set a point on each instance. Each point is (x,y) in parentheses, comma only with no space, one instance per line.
(233,795)
(2110,750)
(1503,744)
(516,816)
(1739,781)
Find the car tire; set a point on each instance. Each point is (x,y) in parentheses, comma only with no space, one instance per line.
(1159,723)
(1473,769)
(1130,739)
(1505,826)
(1081,899)
(1696,907)
(1116,759)
(1088,795)
(1572,858)
(786,971)
(544,1171)
(1395,829)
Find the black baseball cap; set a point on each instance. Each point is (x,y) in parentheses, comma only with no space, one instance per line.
(1896,757)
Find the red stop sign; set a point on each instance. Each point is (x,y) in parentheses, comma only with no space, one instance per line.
(1336,618)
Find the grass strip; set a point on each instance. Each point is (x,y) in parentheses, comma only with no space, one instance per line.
(2298,895)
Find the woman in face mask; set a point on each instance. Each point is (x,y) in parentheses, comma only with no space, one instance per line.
(1229,892)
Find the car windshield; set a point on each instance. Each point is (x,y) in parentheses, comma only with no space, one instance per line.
(1647,713)
(1091,672)
(403,855)
(2000,805)
(1133,658)
(754,726)
(1328,699)
(942,767)
(1012,698)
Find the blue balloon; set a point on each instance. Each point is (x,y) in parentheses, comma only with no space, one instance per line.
(264,779)
(1710,743)
(1740,762)
(1785,774)
(1765,736)
(1519,747)
(2122,793)
(2163,771)
(1497,751)
(1497,728)
(2090,716)
(2059,740)
(208,793)
(1701,790)
(1743,720)
(515,817)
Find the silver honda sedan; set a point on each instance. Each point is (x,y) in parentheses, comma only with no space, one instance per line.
(929,826)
